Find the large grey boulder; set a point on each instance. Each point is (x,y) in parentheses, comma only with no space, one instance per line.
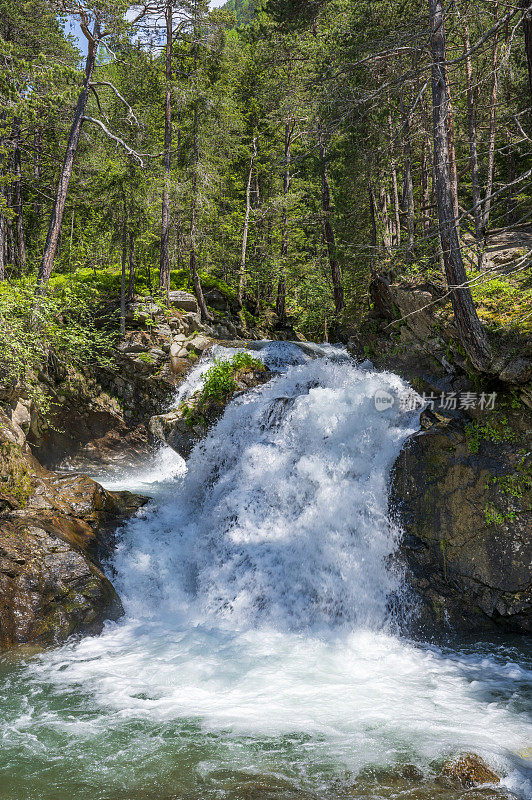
(183,300)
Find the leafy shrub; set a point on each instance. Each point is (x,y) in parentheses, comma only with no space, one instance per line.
(220,378)
(58,326)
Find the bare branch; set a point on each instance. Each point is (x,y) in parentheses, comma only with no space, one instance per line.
(116,139)
(488,34)
(130,114)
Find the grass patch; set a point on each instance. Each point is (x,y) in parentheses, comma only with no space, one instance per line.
(504,301)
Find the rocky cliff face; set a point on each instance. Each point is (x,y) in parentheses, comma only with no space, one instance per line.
(465,500)
(53,528)
(462,486)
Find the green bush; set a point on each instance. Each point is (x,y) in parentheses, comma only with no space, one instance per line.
(220,378)
(58,326)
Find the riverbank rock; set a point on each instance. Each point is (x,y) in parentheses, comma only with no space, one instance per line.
(53,530)
(468,770)
(462,487)
(463,491)
(183,427)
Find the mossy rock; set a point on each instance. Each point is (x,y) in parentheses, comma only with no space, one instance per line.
(182,428)
(467,518)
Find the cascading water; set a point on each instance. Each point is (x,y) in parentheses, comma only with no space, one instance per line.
(257,656)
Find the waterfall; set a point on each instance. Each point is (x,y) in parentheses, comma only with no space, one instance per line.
(282,515)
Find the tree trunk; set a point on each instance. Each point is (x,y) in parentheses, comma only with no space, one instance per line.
(18,206)
(336,275)
(408,191)
(10,236)
(71,238)
(473,149)
(164,270)
(395,189)
(125,220)
(469,327)
(46,265)
(425,186)
(453,171)
(242,273)
(492,129)
(373,221)
(131,279)
(280,304)
(205,316)
(510,177)
(510,157)
(37,170)
(527,26)
(386,223)
(428,188)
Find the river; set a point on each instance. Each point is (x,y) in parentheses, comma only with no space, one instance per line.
(261,654)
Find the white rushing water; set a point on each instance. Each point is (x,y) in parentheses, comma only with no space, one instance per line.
(259,636)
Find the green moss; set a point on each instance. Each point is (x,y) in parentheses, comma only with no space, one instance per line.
(495,429)
(15,480)
(146,357)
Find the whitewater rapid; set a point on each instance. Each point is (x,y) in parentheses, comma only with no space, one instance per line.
(262,602)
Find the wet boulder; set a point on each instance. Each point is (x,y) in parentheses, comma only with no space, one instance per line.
(468,770)
(54,528)
(186,425)
(463,492)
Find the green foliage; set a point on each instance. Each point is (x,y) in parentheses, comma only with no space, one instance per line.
(494,516)
(317,65)
(220,381)
(58,328)
(495,429)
